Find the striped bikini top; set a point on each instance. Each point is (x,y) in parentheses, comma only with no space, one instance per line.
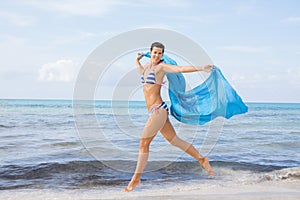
(150,78)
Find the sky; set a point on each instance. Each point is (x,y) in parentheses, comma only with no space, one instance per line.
(43,44)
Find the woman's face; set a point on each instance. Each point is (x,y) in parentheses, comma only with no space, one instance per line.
(156,55)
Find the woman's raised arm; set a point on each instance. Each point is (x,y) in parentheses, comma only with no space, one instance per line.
(185,69)
(138,64)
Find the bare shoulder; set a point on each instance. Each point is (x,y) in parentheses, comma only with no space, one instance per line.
(167,68)
(160,67)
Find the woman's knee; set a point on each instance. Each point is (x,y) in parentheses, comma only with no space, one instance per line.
(145,143)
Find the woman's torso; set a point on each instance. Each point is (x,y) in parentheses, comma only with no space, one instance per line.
(152,91)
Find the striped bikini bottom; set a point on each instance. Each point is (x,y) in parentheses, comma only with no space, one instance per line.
(163,105)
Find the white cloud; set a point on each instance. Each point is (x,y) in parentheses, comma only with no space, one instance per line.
(159,25)
(164,4)
(292,20)
(61,70)
(100,7)
(244,49)
(203,19)
(77,7)
(73,39)
(293,76)
(17,19)
(290,76)
(11,40)
(246,8)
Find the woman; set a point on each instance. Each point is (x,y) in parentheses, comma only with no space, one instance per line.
(152,75)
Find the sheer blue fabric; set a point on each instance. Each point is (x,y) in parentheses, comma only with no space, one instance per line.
(213,98)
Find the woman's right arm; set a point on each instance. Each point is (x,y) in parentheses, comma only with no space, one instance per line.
(138,64)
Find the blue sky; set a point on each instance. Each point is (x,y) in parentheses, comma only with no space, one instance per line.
(43,44)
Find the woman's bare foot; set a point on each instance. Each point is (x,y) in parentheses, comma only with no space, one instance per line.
(132,184)
(205,164)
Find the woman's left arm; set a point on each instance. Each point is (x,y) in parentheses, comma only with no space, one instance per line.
(184,69)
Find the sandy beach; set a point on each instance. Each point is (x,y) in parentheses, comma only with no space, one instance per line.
(266,190)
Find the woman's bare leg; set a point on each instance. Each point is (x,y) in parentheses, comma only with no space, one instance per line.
(155,122)
(169,133)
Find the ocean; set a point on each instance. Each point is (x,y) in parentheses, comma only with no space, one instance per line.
(44,144)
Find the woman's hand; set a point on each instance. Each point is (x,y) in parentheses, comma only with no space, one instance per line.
(207,68)
(139,57)
(138,64)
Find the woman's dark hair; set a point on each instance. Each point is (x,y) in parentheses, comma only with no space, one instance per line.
(158,45)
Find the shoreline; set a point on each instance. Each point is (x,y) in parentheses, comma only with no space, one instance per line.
(264,190)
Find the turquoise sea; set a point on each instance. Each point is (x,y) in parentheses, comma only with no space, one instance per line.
(42,146)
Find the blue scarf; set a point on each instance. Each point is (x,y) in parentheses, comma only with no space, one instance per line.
(213,98)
